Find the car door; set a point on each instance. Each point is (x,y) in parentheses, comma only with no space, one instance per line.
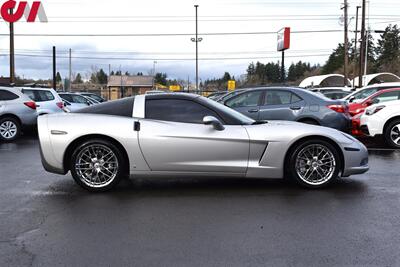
(281,105)
(246,103)
(172,137)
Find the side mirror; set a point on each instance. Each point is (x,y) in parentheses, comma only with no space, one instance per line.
(369,103)
(351,99)
(211,120)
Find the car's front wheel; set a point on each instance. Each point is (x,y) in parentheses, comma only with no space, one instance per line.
(314,163)
(97,165)
(10,129)
(392,134)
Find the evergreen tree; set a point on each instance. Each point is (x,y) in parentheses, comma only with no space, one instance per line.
(58,77)
(78,78)
(388,48)
(101,77)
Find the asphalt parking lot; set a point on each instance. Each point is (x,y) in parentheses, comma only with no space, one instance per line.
(47,220)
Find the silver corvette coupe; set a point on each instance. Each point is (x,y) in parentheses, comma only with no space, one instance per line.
(189,135)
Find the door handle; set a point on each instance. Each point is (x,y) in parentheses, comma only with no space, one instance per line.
(295,108)
(253,110)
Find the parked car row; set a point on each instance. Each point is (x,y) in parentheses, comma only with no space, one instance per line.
(350,112)
(288,103)
(20,107)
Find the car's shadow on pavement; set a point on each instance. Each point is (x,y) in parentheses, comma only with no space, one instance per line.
(211,187)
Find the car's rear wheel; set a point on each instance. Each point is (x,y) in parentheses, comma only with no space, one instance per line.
(314,163)
(97,165)
(392,134)
(10,129)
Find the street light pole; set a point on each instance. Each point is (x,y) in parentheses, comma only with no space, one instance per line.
(346,43)
(197,40)
(355,46)
(363,46)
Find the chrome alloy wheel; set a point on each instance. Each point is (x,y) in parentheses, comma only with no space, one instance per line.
(8,129)
(315,164)
(395,134)
(96,165)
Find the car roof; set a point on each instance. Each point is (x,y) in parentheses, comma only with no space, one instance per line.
(382,85)
(187,96)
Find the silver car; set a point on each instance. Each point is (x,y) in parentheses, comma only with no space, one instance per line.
(17,112)
(185,134)
(74,102)
(47,100)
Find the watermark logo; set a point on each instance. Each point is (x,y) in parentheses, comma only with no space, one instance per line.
(10,12)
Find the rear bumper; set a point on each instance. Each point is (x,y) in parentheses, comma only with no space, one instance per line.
(28,119)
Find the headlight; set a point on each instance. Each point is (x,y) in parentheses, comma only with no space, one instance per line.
(372,110)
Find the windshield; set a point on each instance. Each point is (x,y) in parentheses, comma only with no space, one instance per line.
(244,120)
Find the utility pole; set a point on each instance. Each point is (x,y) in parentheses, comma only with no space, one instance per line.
(122,86)
(346,43)
(154,74)
(70,70)
(54,69)
(109,77)
(283,67)
(12,59)
(197,40)
(355,45)
(363,46)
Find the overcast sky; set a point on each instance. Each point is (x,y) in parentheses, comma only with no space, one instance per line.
(175,54)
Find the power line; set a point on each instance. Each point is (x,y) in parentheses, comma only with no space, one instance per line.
(158,34)
(66,51)
(165,59)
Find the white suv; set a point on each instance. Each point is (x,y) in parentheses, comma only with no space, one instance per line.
(383,119)
(47,100)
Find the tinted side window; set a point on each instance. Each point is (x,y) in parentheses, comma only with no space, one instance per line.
(177,110)
(45,95)
(38,95)
(388,96)
(66,97)
(6,95)
(249,99)
(122,107)
(31,94)
(295,98)
(365,93)
(277,97)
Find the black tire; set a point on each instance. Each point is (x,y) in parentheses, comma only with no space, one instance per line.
(82,179)
(5,134)
(394,126)
(310,121)
(295,162)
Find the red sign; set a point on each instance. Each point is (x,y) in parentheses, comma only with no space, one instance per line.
(23,9)
(284,39)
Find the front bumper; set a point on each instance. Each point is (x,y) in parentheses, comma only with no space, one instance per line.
(356,159)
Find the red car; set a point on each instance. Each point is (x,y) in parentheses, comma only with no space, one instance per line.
(378,97)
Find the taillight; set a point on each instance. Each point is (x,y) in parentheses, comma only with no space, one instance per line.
(30,104)
(338,108)
(60,105)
